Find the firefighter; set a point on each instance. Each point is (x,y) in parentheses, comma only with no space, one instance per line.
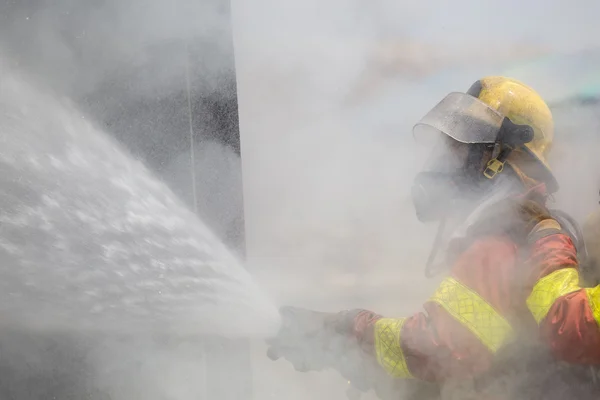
(487,179)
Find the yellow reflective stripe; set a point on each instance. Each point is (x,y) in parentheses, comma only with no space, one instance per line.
(548,289)
(593,295)
(472,311)
(388,348)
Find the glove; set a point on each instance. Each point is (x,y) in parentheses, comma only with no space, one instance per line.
(303,338)
(314,341)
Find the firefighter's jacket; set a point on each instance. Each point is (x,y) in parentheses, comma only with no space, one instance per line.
(494,285)
(568,315)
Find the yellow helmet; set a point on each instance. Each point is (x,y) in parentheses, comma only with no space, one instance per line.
(523,106)
(503,113)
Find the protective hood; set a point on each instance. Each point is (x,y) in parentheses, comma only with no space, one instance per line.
(505,186)
(455,229)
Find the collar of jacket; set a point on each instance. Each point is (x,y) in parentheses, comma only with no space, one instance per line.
(508,185)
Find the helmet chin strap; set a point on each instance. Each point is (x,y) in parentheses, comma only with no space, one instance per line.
(510,137)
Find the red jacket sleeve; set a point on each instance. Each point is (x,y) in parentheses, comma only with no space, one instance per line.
(462,325)
(567,314)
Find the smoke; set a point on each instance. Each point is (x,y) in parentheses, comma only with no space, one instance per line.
(328,95)
(74,46)
(326,112)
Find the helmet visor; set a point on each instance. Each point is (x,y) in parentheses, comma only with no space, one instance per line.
(463,117)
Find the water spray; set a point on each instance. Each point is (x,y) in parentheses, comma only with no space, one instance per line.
(91,240)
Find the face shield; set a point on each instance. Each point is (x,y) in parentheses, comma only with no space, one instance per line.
(462,133)
(462,117)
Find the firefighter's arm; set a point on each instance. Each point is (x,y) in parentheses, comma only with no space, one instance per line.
(567,314)
(462,324)
(456,335)
(421,346)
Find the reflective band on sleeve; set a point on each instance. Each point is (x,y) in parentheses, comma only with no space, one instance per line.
(593,295)
(473,312)
(548,289)
(388,347)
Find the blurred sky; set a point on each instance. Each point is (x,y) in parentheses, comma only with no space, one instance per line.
(432,46)
(561,25)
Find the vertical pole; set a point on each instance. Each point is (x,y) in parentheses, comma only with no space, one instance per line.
(188,91)
(227,362)
(191,125)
